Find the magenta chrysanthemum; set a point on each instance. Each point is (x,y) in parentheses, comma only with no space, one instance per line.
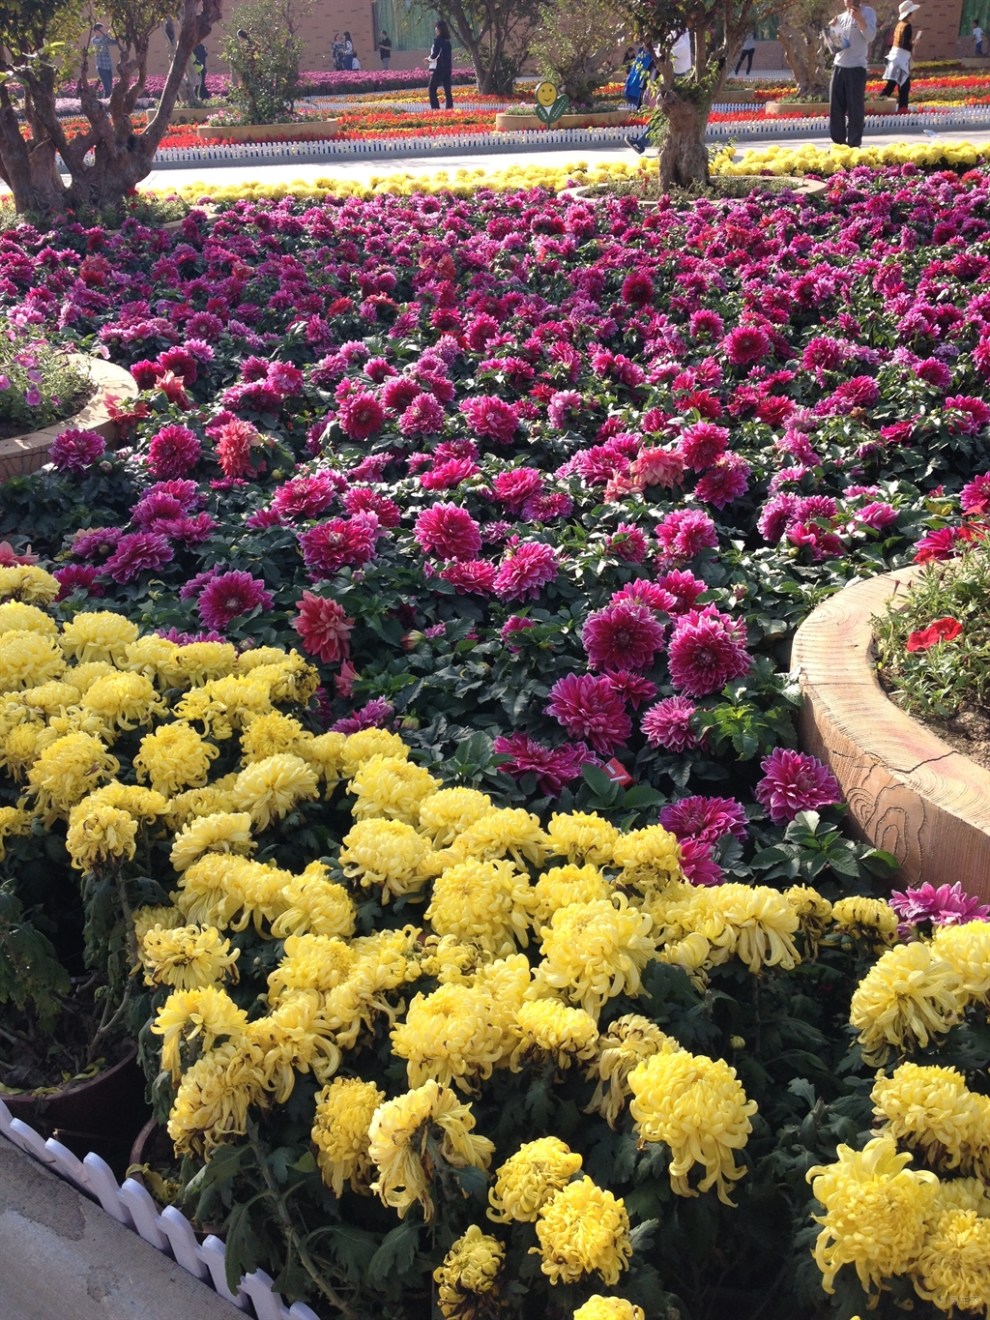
(668,724)
(589,708)
(75,450)
(229,595)
(526,569)
(173,451)
(704,818)
(361,416)
(554,767)
(448,532)
(323,627)
(702,445)
(491,418)
(338,543)
(135,553)
(624,635)
(795,781)
(946,905)
(745,344)
(707,650)
(684,533)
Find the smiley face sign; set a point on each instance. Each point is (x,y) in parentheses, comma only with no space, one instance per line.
(546,94)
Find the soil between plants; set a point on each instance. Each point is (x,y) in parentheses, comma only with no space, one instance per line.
(967,732)
(72,406)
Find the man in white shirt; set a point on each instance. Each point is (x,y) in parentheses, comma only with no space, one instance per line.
(849,36)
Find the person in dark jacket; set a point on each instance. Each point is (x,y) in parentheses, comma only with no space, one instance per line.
(441,65)
(385,49)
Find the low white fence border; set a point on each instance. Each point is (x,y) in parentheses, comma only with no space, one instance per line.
(167,1230)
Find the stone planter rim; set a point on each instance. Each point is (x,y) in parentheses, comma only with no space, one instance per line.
(307,131)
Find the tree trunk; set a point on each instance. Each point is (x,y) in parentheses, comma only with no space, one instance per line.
(684,156)
(803,53)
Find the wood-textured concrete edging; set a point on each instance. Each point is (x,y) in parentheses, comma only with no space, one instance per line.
(311,131)
(20,454)
(907,790)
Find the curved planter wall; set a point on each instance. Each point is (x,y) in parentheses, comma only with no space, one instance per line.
(907,790)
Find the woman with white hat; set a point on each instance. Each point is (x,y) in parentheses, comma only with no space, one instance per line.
(898,67)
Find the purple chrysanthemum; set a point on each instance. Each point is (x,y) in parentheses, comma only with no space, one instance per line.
(947,905)
(795,781)
(173,452)
(668,725)
(135,553)
(554,767)
(707,650)
(589,708)
(704,818)
(76,450)
(229,595)
(624,635)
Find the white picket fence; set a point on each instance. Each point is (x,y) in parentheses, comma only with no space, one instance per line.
(167,1230)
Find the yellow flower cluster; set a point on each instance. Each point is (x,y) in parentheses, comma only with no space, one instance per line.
(831,160)
(469,1275)
(341,1124)
(932,1110)
(907,998)
(583,1229)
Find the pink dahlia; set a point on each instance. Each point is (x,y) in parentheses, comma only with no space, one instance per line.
(306,497)
(668,725)
(76,450)
(449,474)
(725,481)
(362,499)
(624,635)
(229,595)
(707,650)
(173,451)
(361,415)
(553,767)
(447,531)
(424,416)
(795,781)
(135,553)
(564,409)
(975,495)
(627,543)
(526,568)
(699,866)
(704,818)
(637,288)
(947,905)
(339,543)
(644,592)
(491,419)
(684,533)
(324,628)
(683,586)
(77,577)
(589,708)
(745,344)
(702,445)
(515,487)
(399,392)
(971,414)
(470,576)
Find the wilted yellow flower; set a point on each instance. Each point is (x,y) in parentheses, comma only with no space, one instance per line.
(386,853)
(14,821)
(628,1041)
(224,832)
(366,743)
(213,1099)
(930,1108)
(175,757)
(271,788)
(966,949)
(552,1029)
(485,903)
(390,787)
(455,1035)
(98,635)
(469,1274)
(68,769)
(448,812)
(870,919)
(270,734)
(290,678)
(595,951)
(187,957)
(151,915)
(583,1229)
(399,1132)
(581,837)
(909,996)
(562,885)
(813,913)
(15,616)
(697,1106)
(344,1110)
(693,954)
(953,1269)
(27,582)
(527,1180)
(598,1307)
(27,659)
(877,1212)
(203,1015)
(98,833)
(316,904)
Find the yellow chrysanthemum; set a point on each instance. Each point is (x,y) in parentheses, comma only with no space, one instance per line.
(562,885)
(468,1280)
(27,659)
(55,697)
(448,812)
(187,957)
(908,997)
(83,676)
(124,701)
(271,788)
(22,746)
(16,616)
(223,705)
(400,1130)
(159,914)
(341,1122)
(175,757)
(870,919)
(583,1230)
(598,1307)
(485,903)
(205,662)
(316,904)
(628,1041)
(550,1029)
(224,890)
(98,635)
(649,858)
(290,678)
(388,854)
(156,658)
(877,1213)
(212,799)
(454,1035)
(324,754)
(503,832)
(100,834)
(366,743)
(223,832)
(295,1037)
(390,787)
(751,922)
(813,913)
(527,1179)
(966,949)
(932,1109)
(953,1269)
(14,822)
(68,769)
(595,951)
(27,582)
(212,1101)
(268,735)
(697,1107)
(581,837)
(204,1015)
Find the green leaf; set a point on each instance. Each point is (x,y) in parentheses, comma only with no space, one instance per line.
(395,1255)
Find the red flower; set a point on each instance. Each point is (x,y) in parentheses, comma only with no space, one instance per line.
(324,628)
(942,630)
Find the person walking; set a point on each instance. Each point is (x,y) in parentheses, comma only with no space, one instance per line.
(101,41)
(977,39)
(199,71)
(348,52)
(849,35)
(639,80)
(747,53)
(899,57)
(441,66)
(385,49)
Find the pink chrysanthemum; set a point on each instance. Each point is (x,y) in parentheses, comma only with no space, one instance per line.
(470,576)
(627,543)
(447,531)
(657,467)
(77,577)
(75,450)
(624,635)
(745,344)
(564,409)
(526,569)
(553,767)
(323,627)
(589,708)
(795,781)
(173,451)
(339,543)
(699,866)
(491,418)
(704,818)
(725,481)
(135,553)
(361,415)
(946,905)
(229,595)
(306,497)
(702,445)
(707,650)
(668,725)
(515,487)
(423,416)
(684,533)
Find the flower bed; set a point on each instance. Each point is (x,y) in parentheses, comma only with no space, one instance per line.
(545,489)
